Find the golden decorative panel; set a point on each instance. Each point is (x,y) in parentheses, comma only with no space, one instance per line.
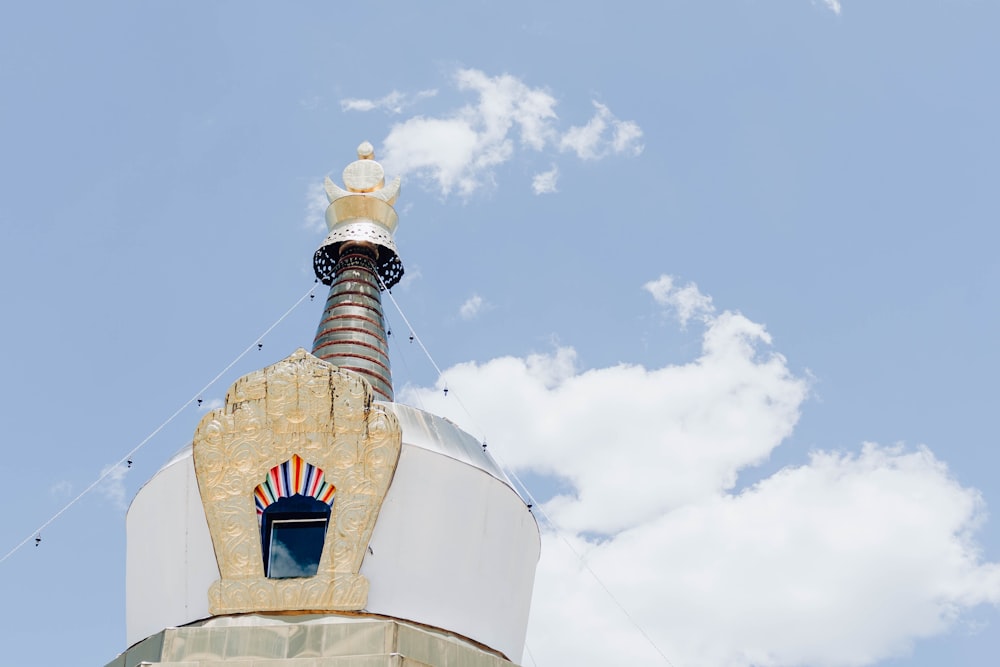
(307,407)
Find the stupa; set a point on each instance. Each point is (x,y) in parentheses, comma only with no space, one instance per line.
(315,522)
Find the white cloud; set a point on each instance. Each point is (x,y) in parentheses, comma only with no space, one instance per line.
(450,151)
(584,139)
(590,141)
(472,307)
(112,487)
(833,5)
(690,429)
(840,562)
(626,138)
(843,560)
(395,102)
(545,182)
(459,151)
(316,205)
(686,301)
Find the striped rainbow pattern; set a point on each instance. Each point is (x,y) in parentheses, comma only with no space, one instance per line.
(292,477)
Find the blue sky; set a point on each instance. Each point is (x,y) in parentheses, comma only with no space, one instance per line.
(734,240)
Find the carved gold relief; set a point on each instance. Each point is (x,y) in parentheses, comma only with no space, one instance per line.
(306,407)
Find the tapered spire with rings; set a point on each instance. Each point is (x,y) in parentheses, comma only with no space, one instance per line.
(358,259)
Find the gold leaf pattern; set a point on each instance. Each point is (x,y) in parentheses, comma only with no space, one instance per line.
(306,406)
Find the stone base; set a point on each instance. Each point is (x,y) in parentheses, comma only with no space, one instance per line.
(256,640)
(354,661)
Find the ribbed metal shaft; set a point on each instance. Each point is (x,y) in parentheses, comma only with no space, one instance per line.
(351,333)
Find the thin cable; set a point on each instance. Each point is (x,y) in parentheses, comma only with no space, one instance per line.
(409,326)
(530,654)
(110,469)
(534,503)
(583,562)
(426,351)
(400,350)
(558,531)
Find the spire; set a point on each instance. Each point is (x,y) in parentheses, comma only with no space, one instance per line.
(358,259)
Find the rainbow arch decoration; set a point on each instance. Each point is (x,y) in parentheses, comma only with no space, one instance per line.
(293,477)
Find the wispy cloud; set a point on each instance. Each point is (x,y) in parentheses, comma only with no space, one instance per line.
(686,301)
(545,182)
(603,135)
(394,103)
(833,5)
(316,205)
(113,486)
(459,150)
(472,307)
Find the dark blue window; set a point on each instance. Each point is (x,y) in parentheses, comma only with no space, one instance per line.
(292,532)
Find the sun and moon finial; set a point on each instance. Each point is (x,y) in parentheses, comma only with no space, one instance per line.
(364,177)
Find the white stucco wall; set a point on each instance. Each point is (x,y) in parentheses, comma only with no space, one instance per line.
(456,549)
(454,546)
(169,560)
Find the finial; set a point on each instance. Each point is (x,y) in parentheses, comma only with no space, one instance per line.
(361,212)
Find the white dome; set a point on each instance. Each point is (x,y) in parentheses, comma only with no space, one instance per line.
(454,546)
